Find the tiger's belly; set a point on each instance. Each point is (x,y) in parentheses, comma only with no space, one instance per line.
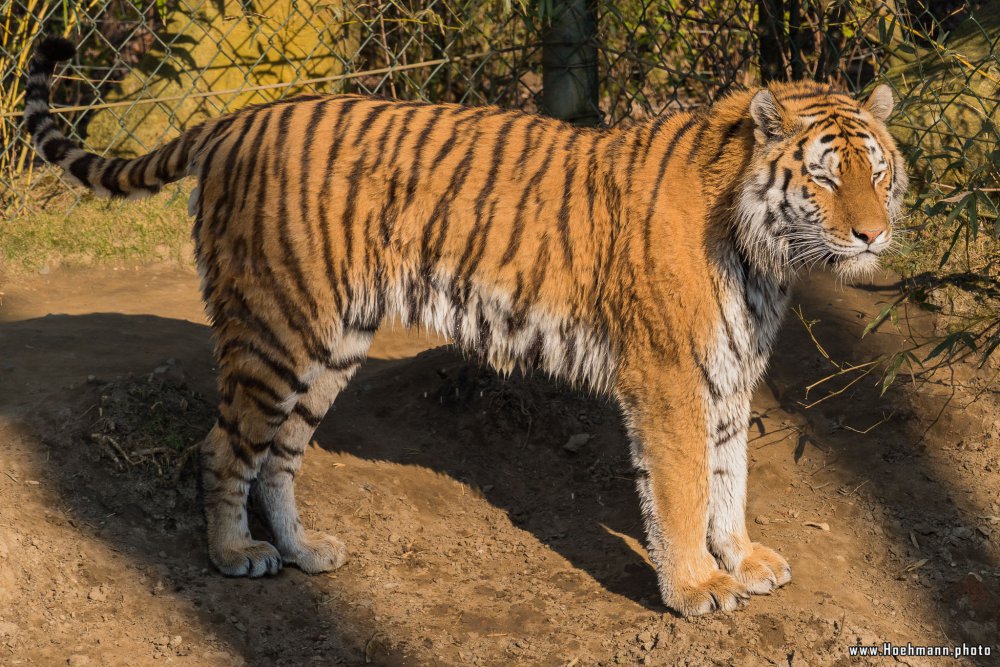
(492,324)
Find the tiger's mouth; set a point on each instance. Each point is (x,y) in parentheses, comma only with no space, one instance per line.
(857,266)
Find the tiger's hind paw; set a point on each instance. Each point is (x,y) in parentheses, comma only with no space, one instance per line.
(316,552)
(252,559)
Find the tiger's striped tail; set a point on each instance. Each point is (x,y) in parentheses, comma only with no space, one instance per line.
(114,177)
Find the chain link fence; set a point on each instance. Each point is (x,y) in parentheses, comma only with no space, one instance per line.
(147,70)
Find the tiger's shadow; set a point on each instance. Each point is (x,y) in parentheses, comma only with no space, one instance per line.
(553,459)
(580,503)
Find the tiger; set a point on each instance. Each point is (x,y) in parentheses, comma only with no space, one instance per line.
(650,263)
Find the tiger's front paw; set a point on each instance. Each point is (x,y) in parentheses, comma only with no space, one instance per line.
(316,552)
(250,559)
(719,591)
(763,570)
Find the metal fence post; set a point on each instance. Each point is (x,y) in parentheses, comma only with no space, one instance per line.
(569,63)
(771,19)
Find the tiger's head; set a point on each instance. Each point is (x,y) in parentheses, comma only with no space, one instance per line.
(826,183)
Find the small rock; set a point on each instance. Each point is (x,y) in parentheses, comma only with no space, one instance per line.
(78,660)
(171,371)
(98,593)
(961,532)
(576,442)
(973,594)
(647,640)
(176,641)
(761,519)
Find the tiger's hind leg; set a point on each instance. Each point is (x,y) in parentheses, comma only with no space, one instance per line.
(311,551)
(259,437)
(231,458)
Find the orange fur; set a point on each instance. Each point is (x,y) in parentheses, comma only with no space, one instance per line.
(650,262)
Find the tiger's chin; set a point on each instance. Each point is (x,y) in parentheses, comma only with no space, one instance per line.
(859,268)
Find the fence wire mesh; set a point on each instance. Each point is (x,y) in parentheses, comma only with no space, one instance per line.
(148,69)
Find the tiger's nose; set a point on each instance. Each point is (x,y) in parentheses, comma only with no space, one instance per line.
(870,235)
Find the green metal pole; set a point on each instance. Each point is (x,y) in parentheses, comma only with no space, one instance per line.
(569,63)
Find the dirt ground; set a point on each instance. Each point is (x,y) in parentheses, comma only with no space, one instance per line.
(481,531)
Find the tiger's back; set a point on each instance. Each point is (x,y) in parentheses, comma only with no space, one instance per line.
(340,211)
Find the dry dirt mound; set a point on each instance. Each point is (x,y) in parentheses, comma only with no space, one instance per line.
(152,421)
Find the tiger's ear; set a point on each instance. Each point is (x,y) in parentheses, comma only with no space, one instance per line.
(769,115)
(879,103)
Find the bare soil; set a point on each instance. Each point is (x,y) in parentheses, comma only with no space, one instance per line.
(490,521)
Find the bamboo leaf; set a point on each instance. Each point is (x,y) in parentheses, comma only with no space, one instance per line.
(891,371)
(878,319)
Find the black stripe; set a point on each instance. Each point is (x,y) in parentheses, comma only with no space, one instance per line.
(347,364)
(441,215)
(481,227)
(515,239)
(238,309)
(56,150)
(527,144)
(281,371)
(214,217)
(772,172)
(347,220)
(307,416)
(241,454)
(404,132)
(80,168)
(563,216)
(338,133)
(33,120)
(268,409)
(374,111)
(418,151)
(291,260)
(317,116)
(786,179)
(728,135)
(706,376)
(657,190)
(283,451)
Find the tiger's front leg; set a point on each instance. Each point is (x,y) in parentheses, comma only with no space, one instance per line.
(759,568)
(667,429)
